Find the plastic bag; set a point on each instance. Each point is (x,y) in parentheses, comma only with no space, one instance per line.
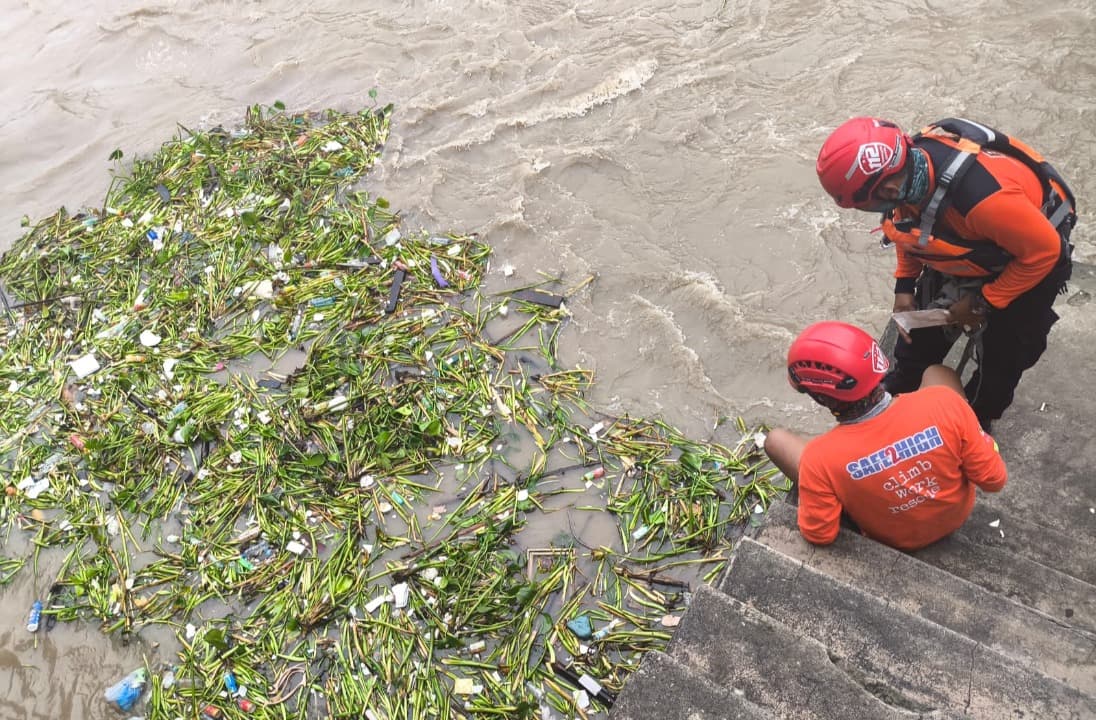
(125,693)
(913,319)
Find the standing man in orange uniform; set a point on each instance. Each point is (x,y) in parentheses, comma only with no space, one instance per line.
(903,469)
(981,224)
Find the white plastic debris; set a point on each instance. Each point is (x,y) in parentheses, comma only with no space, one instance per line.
(595,429)
(463,686)
(759,439)
(995,523)
(332,146)
(149,338)
(400,595)
(85,365)
(670,620)
(581,699)
(477,647)
(522,495)
(592,686)
(366,481)
(32,489)
(372,605)
(295,547)
(169,368)
(392,237)
(640,532)
(13,386)
(262,289)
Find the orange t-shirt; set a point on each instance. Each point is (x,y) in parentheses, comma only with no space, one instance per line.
(906,476)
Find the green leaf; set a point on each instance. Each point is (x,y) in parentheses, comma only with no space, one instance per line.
(373,93)
(316,460)
(216,638)
(382,203)
(116,155)
(279,105)
(690,461)
(249,218)
(525,594)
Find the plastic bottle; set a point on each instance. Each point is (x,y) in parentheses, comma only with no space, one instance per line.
(295,326)
(125,693)
(35,616)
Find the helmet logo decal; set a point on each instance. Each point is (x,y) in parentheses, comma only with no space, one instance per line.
(879,361)
(873,157)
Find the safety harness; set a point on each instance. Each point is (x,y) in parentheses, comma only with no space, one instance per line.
(1058,200)
(1058,203)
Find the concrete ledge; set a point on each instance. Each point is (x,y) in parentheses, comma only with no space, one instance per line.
(924,664)
(1015,630)
(665,689)
(1069,601)
(789,675)
(1070,553)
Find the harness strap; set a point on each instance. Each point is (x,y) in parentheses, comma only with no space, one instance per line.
(960,163)
(1060,214)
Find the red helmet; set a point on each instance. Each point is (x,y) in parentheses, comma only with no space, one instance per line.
(857,156)
(836,359)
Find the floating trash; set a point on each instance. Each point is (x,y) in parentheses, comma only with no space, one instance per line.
(354,524)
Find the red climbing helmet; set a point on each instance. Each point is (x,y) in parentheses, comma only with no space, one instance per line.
(836,359)
(857,156)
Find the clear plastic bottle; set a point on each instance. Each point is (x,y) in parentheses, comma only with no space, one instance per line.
(35,617)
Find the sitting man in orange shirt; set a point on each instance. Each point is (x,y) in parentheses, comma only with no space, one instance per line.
(903,468)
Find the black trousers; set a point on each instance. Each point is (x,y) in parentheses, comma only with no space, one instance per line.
(1012,342)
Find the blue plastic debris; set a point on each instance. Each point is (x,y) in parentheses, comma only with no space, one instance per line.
(581,627)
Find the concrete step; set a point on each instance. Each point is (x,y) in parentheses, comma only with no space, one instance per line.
(918,664)
(1067,599)
(1017,631)
(788,675)
(1037,566)
(1069,552)
(666,689)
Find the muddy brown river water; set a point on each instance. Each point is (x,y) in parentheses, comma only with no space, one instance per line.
(667,148)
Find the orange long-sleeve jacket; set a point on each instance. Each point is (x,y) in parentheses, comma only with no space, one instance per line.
(998,201)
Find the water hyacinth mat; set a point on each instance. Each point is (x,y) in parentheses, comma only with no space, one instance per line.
(245,406)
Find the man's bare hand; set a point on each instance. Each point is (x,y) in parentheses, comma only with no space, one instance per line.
(962,313)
